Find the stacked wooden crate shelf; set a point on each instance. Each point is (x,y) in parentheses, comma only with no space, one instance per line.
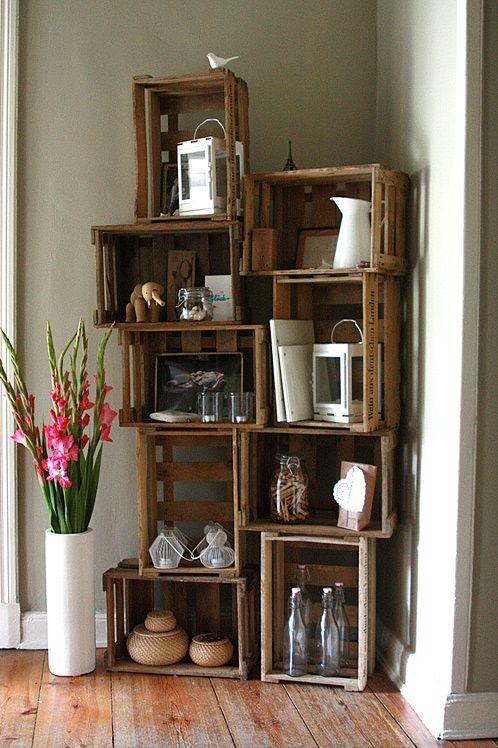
(180,465)
(228,606)
(322,450)
(329,560)
(190,473)
(142,343)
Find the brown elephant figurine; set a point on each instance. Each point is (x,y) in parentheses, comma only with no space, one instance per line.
(145,302)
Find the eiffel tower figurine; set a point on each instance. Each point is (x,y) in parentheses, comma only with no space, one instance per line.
(289,164)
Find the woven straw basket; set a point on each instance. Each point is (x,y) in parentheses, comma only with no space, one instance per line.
(160,620)
(157,647)
(209,650)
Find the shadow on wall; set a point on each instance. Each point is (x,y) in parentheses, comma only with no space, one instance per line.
(398,557)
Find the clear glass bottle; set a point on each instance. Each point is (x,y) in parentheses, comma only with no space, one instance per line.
(302,580)
(342,622)
(289,491)
(195,304)
(327,638)
(295,650)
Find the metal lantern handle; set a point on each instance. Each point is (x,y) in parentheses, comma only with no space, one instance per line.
(341,322)
(210,119)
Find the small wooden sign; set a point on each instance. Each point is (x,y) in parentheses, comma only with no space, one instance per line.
(359,520)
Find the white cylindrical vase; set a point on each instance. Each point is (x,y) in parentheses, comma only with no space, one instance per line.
(70,602)
(353,242)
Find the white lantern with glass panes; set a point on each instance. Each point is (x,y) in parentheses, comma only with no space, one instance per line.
(338,379)
(202,174)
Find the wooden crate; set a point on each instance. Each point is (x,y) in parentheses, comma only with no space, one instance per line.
(225,606)
(166,112)
(185,480)
(293,200)
(141,343)
(322,451)
(373,300)
(131,254)
(351,561)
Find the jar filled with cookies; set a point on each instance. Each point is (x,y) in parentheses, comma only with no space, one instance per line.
(289,490)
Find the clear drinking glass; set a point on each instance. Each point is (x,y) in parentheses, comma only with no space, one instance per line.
(342,622)
(327,638)
(295,657)
(241,407)
(211,407)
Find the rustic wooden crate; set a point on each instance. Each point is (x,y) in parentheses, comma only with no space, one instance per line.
(323,451)
(167,463)
(142,342)
(225,606)
(373,300)
(166,112)
(130,254)
(290,201)
(351,561)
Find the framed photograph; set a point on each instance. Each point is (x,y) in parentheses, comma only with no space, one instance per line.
(181,377)
(316,247)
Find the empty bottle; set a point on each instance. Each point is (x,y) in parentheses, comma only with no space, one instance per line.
(295,659)
(302,581)
(342,622)
(327,638)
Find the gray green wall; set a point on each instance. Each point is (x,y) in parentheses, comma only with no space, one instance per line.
(311,70)
(483,663)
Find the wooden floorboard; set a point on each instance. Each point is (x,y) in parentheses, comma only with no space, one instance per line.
(144,711)
(74,711)
(260,715)
(20,681)
(152,710)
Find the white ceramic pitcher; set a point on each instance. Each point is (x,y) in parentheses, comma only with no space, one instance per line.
(353,243)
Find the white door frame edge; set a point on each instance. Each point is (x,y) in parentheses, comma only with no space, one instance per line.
(10,618)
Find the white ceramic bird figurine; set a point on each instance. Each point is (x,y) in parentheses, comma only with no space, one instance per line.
(219,62)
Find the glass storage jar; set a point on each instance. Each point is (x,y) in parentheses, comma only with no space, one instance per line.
(289,490)
(195,304)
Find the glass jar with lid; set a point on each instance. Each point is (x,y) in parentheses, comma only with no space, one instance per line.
(289,490)
(195,304)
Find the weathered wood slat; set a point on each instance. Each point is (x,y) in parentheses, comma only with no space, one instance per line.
(195,471)
(75,711)
(197,511)
(20,681)
(166,711)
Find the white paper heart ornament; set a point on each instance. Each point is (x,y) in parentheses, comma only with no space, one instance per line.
(350,492)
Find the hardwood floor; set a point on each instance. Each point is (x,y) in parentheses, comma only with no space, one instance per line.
(128,711)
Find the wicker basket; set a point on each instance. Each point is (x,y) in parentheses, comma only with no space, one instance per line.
(160,620)
(157,647)
(209,650)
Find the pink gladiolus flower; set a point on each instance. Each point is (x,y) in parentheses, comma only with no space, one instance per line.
(56,467)
(107,415)
(19,437)
(84,441)
(85,421)
(65,448)
(32,401)
(104,433)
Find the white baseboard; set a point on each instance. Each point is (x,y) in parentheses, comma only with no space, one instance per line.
(34,630)
(470,716)
(10,629)
(467,716)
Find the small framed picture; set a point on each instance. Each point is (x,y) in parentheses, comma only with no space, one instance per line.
(181,377)
(316,248)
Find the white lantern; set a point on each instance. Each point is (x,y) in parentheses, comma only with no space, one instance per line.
(167,549)
(215,551)
(338,380)
(202,174)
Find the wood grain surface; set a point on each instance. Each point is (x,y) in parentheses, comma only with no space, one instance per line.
(130,710)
